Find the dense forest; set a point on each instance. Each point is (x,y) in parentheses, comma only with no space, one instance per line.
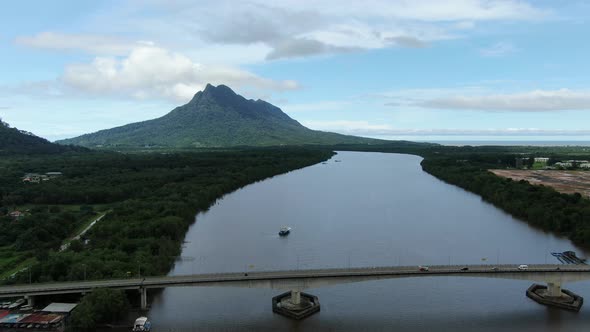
(14,141)
(539,205)
(153,198)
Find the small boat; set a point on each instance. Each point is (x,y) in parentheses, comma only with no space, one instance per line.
(142,324)
(285,231)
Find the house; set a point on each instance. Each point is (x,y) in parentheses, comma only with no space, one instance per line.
(16,214)
(541,159)
(54,174)
(562,164)
(32,178)
(37,178)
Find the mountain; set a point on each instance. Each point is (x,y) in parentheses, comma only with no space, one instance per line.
(215,117)
(14,141)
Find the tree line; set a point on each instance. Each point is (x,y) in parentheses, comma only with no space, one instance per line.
(154,199)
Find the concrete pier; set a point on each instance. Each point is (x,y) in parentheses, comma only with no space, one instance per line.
(144,305)
(295,304)
(553,295)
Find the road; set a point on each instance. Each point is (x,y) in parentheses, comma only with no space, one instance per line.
(303,279)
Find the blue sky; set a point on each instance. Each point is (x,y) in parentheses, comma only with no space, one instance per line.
(397,69)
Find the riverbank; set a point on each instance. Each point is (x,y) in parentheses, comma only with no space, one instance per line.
(540,206)
(467,167)
(153,200)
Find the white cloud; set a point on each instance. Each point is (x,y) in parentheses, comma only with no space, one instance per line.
(154,72)
(316,106)
(481,132)
(432,10)
(294,28)
(348,127)
(498,49)
(94,44)
(405,41)
(532,101)
(301,47)
(365,128)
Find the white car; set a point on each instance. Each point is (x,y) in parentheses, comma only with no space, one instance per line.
(523,267)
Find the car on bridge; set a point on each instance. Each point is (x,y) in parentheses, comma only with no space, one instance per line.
(465,268)
(423,268)
(523,267)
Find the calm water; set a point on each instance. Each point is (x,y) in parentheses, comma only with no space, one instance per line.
(370,209)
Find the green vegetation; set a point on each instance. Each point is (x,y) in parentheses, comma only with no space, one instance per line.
(538,165)
(14,141)
(42,228)
(153,197)
(99,307)
(539,205)
(215,117)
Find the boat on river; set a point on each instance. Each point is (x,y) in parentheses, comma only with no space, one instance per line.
(142,324)
(285,231)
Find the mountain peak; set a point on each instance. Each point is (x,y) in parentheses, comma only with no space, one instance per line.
(215,117)
(220,90)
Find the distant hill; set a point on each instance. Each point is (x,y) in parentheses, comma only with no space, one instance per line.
(14,141)
(215,117)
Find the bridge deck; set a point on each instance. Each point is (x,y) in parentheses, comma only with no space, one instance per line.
(241,278)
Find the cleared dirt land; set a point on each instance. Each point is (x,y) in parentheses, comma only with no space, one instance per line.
(563,181)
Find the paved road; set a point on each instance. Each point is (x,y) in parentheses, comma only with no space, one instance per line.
(77,237)
(306,278)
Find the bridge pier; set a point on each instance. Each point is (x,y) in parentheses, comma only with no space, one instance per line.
(30,300)
(554,289)
(296,297)
(144,305)
(553,295)
(295,304)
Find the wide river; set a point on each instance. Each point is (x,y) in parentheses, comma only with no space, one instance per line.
(364,209)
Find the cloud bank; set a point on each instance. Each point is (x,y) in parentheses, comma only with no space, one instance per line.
(532,101)
(365,128)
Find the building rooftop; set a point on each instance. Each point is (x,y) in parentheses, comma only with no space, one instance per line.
(60,307)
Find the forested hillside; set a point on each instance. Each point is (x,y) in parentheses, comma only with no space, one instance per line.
(14,141)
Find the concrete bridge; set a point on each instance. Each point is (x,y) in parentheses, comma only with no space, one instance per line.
(295,281)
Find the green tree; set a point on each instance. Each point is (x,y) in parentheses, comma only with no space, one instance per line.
(103,305)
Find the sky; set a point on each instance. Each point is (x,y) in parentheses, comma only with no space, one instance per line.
(425,70)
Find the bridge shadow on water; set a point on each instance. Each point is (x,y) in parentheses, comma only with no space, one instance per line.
(521,321)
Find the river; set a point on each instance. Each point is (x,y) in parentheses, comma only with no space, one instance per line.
(363,209)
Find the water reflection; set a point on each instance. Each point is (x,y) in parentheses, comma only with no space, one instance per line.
(371,209)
